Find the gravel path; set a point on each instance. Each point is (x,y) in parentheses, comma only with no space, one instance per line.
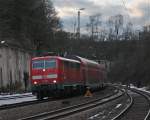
(25,111)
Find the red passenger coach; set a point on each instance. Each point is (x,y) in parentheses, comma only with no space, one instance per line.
(55,76)
(94,74)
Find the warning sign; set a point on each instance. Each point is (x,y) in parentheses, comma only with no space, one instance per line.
(88,93)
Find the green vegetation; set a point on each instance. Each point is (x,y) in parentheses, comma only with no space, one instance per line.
(132,63)
(28,24)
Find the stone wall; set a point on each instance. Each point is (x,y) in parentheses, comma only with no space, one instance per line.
(13,63)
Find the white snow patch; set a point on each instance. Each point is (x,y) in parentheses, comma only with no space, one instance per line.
(96,115)
(29,97)
(118,106)
(132,86)
(142,89)
(13,95)
(18,100)
(103,117)
(92,117)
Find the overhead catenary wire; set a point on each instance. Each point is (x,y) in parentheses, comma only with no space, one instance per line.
(126,9)
(124,5)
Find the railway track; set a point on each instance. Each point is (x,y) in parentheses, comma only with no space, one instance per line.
(139,108)
(61,113)
(26,103)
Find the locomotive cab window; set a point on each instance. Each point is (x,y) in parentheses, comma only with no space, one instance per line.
(50,63)
(38,64)
(43,64)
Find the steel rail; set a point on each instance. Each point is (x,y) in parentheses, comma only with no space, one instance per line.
(127,108)
(148,99)
(26,103)
(60,113)
(131,103)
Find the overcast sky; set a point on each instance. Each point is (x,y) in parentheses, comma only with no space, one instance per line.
(136,11)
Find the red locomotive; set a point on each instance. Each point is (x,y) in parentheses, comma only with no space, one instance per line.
(55,76)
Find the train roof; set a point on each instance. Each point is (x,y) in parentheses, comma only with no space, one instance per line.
(75,59)
(56,57)
(84,60)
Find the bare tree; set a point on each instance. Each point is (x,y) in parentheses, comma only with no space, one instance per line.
(94,25)
(116,24)
(128,31)
(110,26)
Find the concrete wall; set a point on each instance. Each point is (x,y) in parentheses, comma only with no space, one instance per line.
(13,63)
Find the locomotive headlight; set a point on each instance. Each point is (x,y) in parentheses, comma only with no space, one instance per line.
(54,81)
(35,82)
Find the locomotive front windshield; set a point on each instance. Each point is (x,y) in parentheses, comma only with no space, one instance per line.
(43,64)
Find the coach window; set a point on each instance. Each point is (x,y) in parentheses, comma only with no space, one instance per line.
(1,78)
(78,66)
(75,65)
(72,65)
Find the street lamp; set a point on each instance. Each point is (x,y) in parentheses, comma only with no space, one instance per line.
(78,29)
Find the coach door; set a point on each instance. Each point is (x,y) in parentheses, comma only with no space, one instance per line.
(66,71)
(85,76)
(1,78)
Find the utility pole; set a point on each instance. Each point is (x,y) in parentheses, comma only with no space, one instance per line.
(92,20)
(74,30)
(78,29)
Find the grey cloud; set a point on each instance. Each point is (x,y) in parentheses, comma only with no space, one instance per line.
(72,3)
(146,13)
(106,11)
